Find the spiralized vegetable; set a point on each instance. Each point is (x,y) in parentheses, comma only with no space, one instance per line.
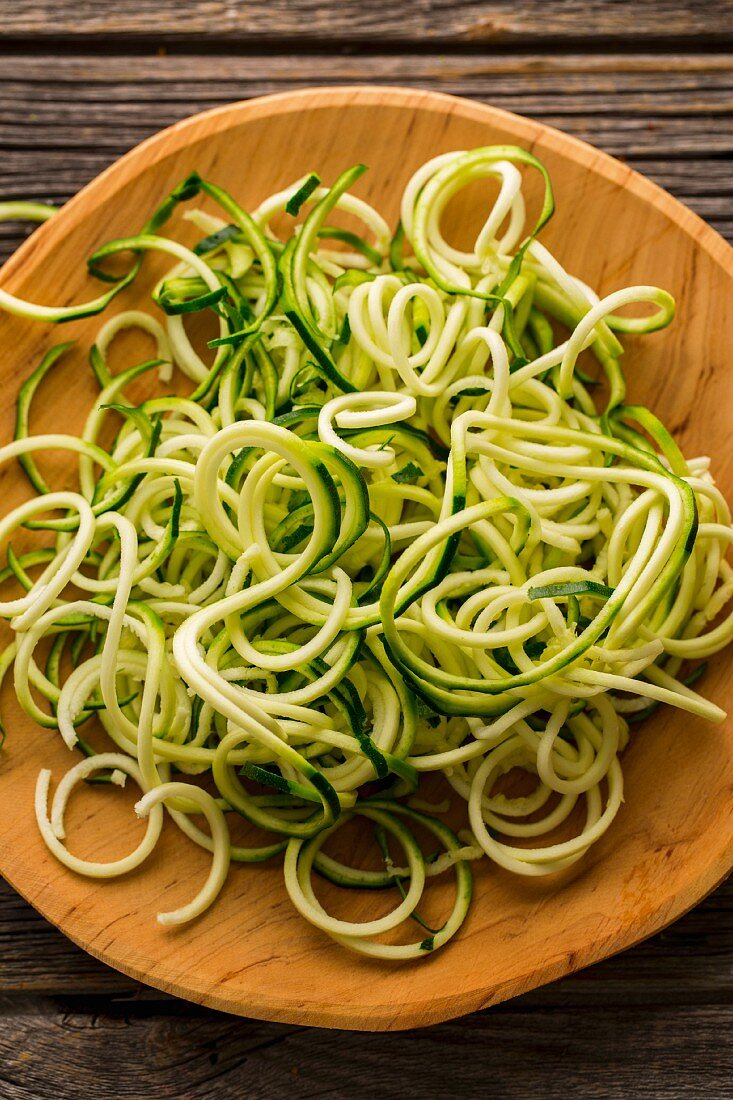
(391,531)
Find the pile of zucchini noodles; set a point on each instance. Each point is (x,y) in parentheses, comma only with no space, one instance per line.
(390,532)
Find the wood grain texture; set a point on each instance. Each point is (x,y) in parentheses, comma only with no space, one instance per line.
(689,963)
(63,119)
(124,1051)
(468,21)
(674,839)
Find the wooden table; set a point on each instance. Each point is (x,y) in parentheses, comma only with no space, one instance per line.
(652,83)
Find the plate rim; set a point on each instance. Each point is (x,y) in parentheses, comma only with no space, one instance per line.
(276,103)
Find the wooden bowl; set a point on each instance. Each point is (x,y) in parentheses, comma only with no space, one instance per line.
(673,839)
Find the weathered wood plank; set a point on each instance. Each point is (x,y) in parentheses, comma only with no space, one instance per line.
(467,21)
(36,957)
(49,1050)
(689,963)
(63,119)
(673,85)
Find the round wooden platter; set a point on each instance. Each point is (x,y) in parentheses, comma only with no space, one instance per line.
(673,839)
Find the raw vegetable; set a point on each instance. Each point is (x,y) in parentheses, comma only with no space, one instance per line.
(394,529)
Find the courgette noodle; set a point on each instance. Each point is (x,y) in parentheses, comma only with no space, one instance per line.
(394,529)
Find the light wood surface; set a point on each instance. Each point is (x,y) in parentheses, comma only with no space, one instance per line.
(673,840)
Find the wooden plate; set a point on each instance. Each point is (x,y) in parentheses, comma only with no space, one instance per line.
(673,840)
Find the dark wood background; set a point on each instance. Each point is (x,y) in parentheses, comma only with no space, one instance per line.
(650,81)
